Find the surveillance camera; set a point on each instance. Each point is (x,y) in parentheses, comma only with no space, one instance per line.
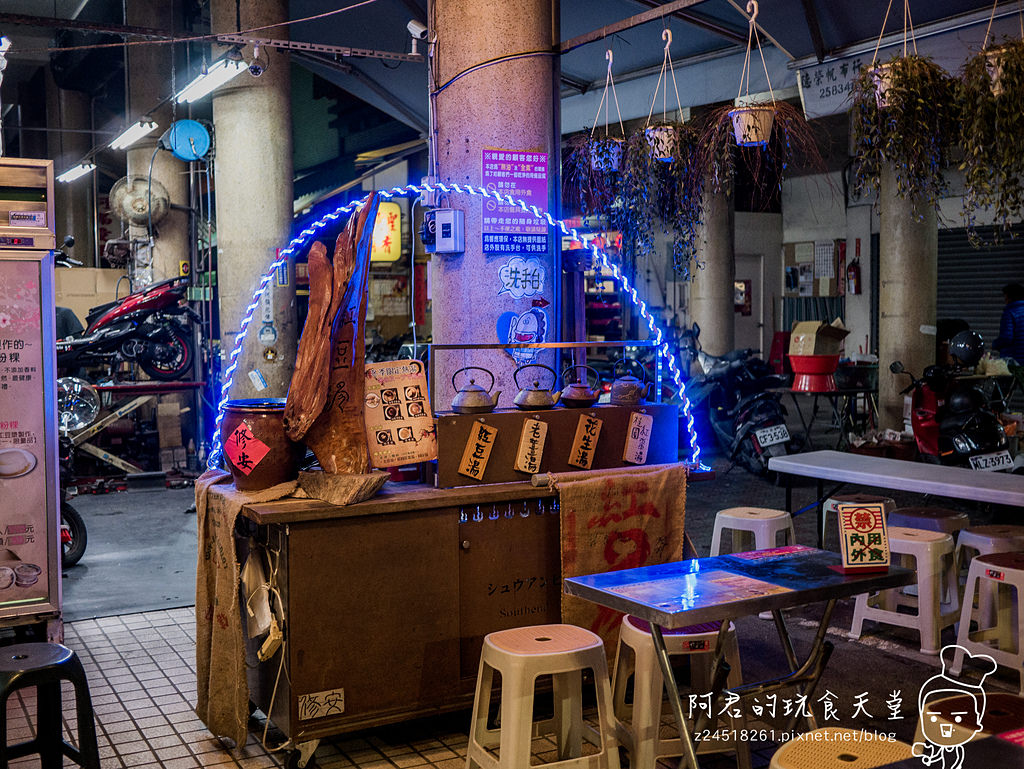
(256,69)
(417,29)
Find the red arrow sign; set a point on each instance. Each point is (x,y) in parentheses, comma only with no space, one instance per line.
(541,302)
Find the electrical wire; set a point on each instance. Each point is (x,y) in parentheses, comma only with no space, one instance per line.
(491,63)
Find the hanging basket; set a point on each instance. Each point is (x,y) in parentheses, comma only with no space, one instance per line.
(994,65)
(606,154)
(753,125)
(664,142)
(882,75)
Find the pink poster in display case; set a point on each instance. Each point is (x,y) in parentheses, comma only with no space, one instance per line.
(27,474)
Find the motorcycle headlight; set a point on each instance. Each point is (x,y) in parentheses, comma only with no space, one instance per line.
(78,403)
(961,445)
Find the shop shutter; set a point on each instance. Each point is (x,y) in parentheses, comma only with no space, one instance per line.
(970,280)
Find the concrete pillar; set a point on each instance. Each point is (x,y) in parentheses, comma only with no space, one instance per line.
(148,83)
(712,303)
(253,177)
(908,268)
(508,106)
(69,112)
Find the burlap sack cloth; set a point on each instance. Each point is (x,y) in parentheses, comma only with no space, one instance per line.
(617,519)
(222,700)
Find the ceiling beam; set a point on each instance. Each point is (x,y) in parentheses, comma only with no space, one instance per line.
(83,26)
(703,22)
(620,26)
(814,27)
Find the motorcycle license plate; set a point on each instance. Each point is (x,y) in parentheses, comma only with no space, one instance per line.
(1000,460)
(769,436)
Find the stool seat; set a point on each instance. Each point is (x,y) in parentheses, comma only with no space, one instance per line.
(520,656)
(1014,561)
(833,747)
(45,666)
(993,538)
(932,518)
(763,523)
(932,552)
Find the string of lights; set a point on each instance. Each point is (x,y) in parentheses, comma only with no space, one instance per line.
(301,240)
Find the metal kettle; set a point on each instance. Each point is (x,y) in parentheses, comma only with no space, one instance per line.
(580,395)
(627,390)
(474,399)
(533,398)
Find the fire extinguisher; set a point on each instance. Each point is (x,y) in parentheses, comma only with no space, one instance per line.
(853,277)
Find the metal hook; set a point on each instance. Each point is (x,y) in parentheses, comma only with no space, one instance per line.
(666,35)
(752,9)
(608,56)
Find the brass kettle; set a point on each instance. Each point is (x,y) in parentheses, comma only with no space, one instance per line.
(580,395)
(474,399)
(627,390)
(529,399)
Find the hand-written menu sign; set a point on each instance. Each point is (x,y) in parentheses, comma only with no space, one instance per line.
(638,438)
(531,446)
(588,430)
(399,423)
(522,176)
(864,539)
(478,451)
(244,449)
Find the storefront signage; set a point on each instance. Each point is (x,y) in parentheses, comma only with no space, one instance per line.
(387,233)
(478,451)
(588,431)
(23,546)
(531,446)
(638,438)
(399,422)
(523,176)
(864,537)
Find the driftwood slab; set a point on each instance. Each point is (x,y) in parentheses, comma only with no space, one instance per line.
(337,437)
(342,489)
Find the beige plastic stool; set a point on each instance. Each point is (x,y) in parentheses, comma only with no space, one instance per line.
(832,504)
(1005,571)
(833,747)
(932,552)
(930,518)
(638,725)
(520,656)
(762,522)
(986,540)
(1003,713)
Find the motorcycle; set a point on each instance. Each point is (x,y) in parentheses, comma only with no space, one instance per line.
(78,405)
(953,422)
(748,419)
(149,327)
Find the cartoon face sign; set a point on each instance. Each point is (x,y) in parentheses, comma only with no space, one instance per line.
(529,327)
(955,727)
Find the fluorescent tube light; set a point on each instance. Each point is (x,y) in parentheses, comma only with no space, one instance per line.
(214,77)
(76,172)
(132,134)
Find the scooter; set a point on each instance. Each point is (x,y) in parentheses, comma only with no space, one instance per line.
(953,423)
(78,405)
(149,327)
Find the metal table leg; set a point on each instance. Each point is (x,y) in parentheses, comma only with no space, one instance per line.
(821,516)
(689,757)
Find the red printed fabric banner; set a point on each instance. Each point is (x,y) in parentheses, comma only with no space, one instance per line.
(618,521)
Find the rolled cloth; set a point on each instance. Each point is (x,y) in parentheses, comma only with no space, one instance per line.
(222,691)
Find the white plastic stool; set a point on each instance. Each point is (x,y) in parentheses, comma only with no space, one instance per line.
(833,747)
(986,540)
(520,656)
(831,506)
(1005,571)
(638,725)
(762,522)
(932,552)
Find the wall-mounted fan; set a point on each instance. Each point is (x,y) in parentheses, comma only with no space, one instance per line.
(139,200)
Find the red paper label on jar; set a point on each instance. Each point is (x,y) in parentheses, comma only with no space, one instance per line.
(245,450)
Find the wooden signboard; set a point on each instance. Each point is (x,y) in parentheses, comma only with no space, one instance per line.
(588,432)
(531,446)
(638,438)
(399,423)
(864,538)
(477,451)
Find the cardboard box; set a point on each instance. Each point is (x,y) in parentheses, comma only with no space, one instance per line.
(168,424)
(812,337)
(82,288)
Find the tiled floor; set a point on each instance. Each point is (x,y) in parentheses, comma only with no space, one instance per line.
(141,671)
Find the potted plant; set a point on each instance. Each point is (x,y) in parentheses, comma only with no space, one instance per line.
(590,170)
(903,113)
(990,97)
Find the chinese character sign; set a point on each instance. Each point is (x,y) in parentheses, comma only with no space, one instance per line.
(588,430)
(387,233)
(862,533)
(638,438)
(478,450)
(531,446)
(522,176)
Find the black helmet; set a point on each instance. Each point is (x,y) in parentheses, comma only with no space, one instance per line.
(966,399)
(967,347)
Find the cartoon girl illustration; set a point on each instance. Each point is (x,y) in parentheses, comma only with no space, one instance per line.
(951,725)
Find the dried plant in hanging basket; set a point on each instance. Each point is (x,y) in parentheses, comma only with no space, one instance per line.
(904,114)
(771,139)
(590,170)
(990,97)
